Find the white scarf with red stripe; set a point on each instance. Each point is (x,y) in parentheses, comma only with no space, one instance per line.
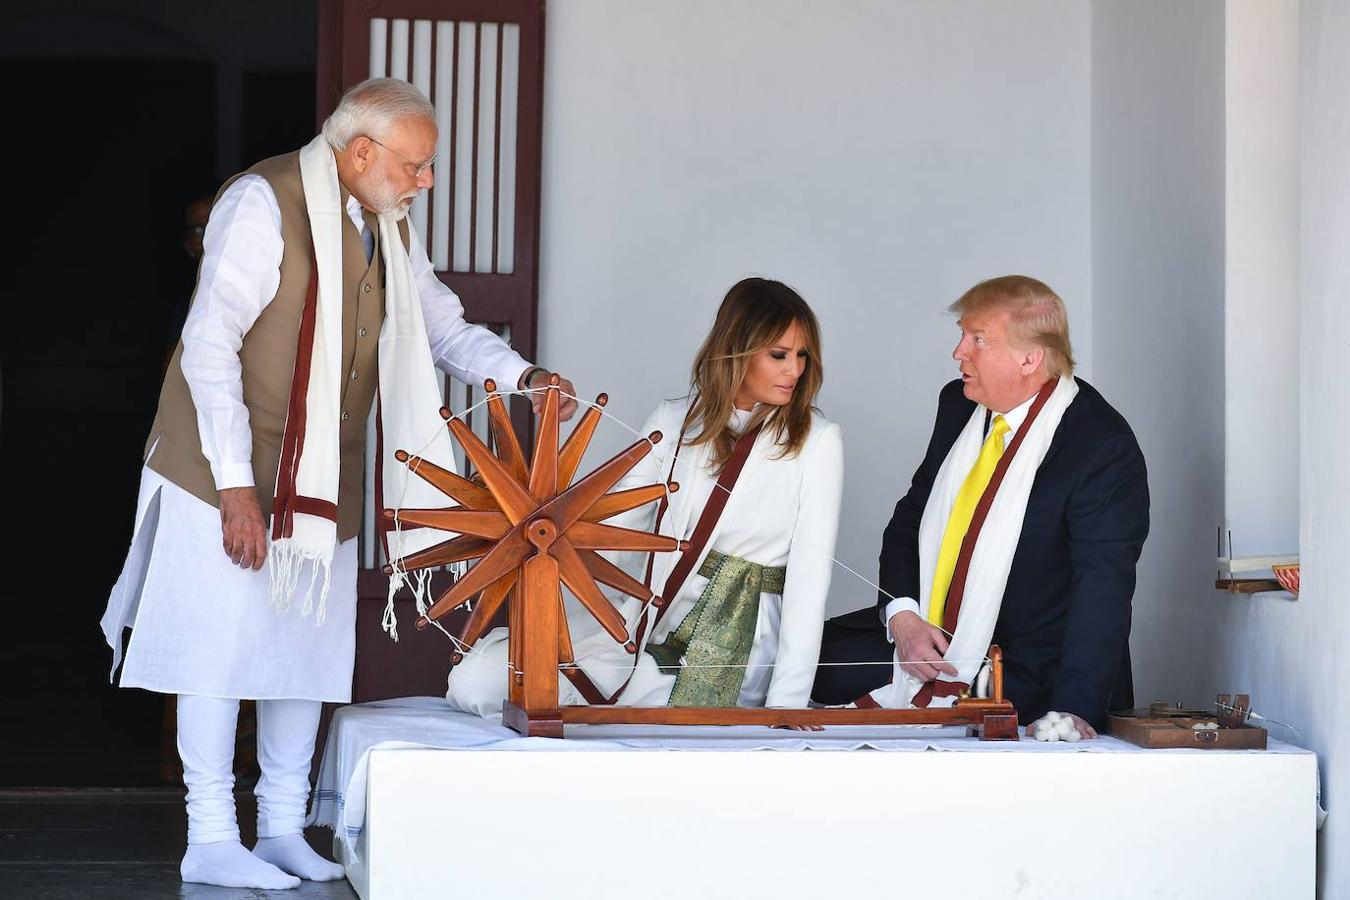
(408,398)
(992,559)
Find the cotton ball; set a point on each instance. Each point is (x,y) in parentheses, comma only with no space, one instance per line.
(1052,717)
(1041,734)
(1064,726)
(1073,737)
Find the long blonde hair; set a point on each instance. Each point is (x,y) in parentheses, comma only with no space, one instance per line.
(754,314)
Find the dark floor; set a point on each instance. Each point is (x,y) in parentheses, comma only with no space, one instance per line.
(97,844)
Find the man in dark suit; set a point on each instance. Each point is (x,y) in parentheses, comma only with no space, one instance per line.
(1064,617)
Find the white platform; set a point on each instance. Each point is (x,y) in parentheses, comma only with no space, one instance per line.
(1021,821)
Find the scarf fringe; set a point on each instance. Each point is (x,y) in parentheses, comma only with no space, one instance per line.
(420,584)
(285,564)
(390,621)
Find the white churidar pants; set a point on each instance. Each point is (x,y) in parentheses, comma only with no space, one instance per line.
(206,731)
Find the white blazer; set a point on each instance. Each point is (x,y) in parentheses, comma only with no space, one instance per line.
(782,512)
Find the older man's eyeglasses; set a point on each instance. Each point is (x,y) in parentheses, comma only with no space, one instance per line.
(415,167)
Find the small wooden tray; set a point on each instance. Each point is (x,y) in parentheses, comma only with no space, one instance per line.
(1151,732)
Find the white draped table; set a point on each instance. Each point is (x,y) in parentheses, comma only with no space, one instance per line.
(428,802)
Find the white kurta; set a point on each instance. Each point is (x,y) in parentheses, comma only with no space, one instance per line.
(782,512)
(201,625)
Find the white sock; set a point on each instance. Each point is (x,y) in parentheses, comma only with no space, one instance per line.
(229,864)
(291,853)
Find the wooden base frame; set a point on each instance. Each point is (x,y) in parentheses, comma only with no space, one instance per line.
(986,719)
(533,532)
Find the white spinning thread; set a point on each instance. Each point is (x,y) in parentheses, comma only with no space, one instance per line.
(400,575)
(1254,715)
(390,622)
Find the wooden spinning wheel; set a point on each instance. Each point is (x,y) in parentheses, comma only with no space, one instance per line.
(534,528)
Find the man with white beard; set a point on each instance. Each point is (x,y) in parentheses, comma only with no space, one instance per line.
(313,298)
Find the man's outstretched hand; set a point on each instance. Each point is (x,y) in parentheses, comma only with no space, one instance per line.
(539,379)
(243,528)
(920,646)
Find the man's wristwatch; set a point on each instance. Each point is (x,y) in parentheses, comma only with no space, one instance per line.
(525,379)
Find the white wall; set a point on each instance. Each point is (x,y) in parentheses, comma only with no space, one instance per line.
(1158,311)
(1173,181)
(1261,275)
(1294,653)
(879,157)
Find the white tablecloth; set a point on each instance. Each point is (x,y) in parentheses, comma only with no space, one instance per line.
(339,800)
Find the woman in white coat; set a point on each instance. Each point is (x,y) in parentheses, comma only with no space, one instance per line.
(744,627)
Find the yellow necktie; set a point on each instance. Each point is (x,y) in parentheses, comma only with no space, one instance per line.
(963,510)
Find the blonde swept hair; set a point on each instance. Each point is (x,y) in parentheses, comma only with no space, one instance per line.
(754,314)
(1038,316)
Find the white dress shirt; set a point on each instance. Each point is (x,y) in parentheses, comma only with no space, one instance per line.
(240,272)
(1014,417)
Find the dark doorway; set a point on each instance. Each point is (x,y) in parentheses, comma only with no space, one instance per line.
(111,152)
(123,112)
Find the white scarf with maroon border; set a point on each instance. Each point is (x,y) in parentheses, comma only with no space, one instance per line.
(992,559)
(407,401)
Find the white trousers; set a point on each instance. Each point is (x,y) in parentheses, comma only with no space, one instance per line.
(206,731)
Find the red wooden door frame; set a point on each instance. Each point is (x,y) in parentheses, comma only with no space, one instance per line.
(418,665)
(510,300)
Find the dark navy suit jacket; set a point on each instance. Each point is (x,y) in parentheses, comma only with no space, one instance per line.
(1064,624)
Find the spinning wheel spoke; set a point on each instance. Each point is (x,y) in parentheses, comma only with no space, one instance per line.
(605,572)
(508,448)
(569,458)
(623,501)
(594,536)
(488,603)
(457,487)
(514,499)
(544,467)
(570,505)
(478,523)
(510,552)
(579,582)
(454,550)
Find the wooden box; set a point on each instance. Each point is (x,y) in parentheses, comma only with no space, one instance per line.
(1153,732)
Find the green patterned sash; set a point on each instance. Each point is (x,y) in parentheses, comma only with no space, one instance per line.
(713,641)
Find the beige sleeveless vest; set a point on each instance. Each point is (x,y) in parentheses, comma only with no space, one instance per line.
(268,359)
